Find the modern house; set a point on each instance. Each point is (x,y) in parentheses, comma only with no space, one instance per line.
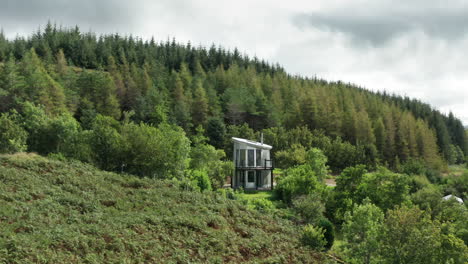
(253,165)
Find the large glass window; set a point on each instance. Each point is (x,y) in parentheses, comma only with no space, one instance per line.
(241,177)
(259,177)
(242,158)
(237,157)
(251,176)
(250,158)
(259,158)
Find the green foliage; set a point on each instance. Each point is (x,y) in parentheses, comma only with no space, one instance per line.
(384,188)
(303,179)
(409,236)
(457,185)
(296,155)
(205,157)
(12,135)
(106,143)
(309,207)
(418,182)
(216,132)
(99,89)
(317,162)
(413,167)
(200,179)
(296,181)
(313,237)
(35,121)
(169,92)
(261,204)
(63,69)
(361,232)
(346,191)
(329,231)
(61,132)
(160,152)
(71,212)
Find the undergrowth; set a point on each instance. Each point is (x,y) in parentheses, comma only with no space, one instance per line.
(69,212)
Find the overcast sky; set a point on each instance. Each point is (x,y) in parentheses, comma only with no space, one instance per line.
(417,48)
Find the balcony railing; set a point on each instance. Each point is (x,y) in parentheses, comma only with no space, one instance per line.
(265,164)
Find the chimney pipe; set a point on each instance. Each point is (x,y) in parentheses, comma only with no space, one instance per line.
(261,138)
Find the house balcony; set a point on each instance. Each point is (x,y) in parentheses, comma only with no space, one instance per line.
(264,165)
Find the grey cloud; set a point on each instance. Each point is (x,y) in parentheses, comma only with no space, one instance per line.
(102,15)
(377,27)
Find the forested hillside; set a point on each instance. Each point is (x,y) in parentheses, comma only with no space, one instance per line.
(162,114)
(84,75)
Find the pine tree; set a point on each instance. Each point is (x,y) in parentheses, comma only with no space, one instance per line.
(12,85)
(41,88)
(380,136)
(200,105)
(179,106)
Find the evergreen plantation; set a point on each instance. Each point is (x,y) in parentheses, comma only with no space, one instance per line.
(78,76)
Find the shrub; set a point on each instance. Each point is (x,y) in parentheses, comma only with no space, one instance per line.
(317,161)
(418,182)
(433,176)
(160,152)
(12,135)
(293,156)
(313,237)
(309,207)
(200,179)
(329,233)
(413,167)
(297,181)
(261,204)
(384,188)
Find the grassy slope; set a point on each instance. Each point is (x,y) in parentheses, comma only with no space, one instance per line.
(57,212)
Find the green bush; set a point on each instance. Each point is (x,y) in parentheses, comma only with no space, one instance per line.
(261,204)
(317,162)
(200,179)
(296,155)
(313,237)
(385,189)
(418,182)
(12,135)
(309,207)
(329,231)
(413,167)
(296,181)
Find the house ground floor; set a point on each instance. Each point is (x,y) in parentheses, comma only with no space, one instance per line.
(252,179)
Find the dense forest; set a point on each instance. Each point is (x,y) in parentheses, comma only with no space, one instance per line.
(68,72)
(162,114)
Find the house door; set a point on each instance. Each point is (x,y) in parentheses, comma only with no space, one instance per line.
(250,180)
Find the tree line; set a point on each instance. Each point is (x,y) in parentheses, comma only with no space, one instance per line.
(225,93)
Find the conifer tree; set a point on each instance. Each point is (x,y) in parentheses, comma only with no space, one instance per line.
(180,106)
(41,88)
(200,105)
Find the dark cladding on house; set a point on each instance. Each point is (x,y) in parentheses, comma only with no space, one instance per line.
(253,165)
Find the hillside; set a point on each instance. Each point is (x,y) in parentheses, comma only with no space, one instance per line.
(69,212)
(85,75)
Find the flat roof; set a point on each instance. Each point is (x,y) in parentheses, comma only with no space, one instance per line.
(252,143)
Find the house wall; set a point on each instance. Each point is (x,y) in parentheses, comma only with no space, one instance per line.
(238,146)
(265,181)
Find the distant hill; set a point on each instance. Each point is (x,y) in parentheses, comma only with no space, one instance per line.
(69,212)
